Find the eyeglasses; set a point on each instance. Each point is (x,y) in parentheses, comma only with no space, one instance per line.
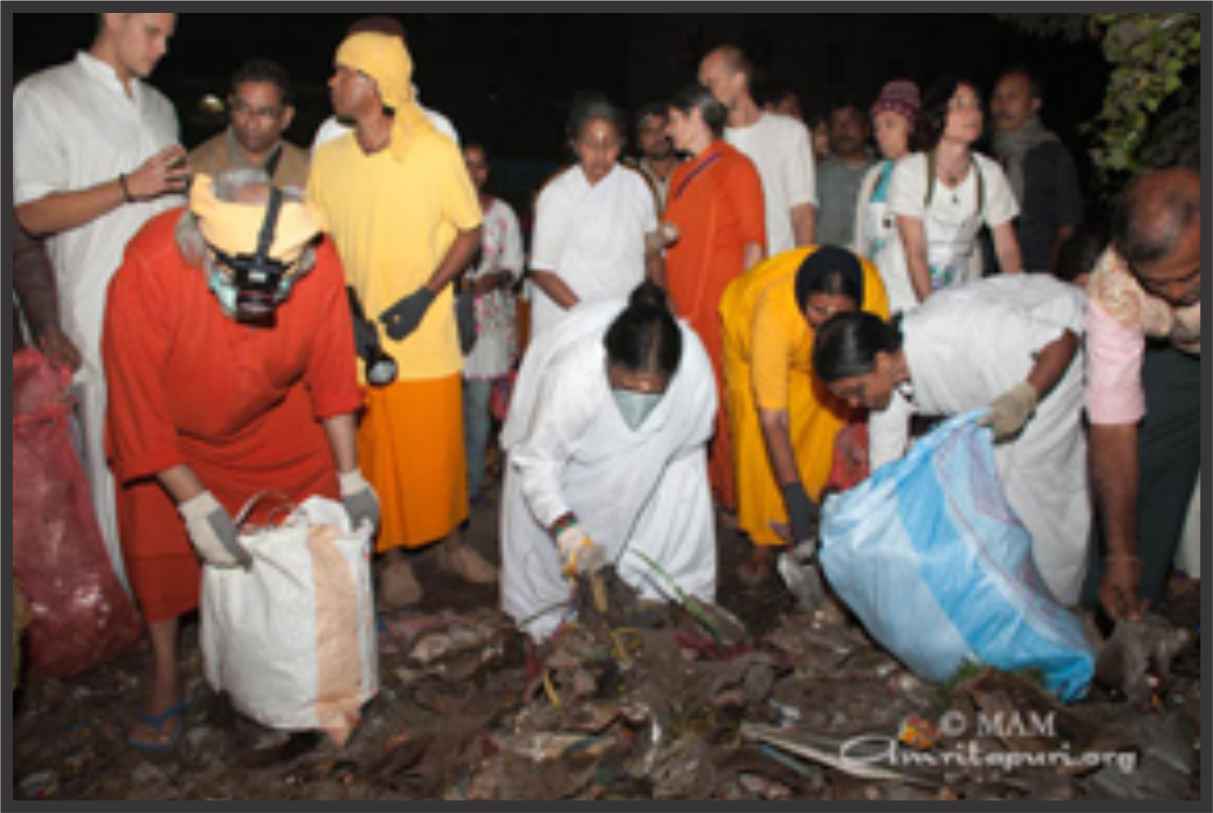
(240,108)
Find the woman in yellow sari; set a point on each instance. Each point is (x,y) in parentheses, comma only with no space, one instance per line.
(783,420)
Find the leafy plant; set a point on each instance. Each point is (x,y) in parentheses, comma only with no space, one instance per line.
(1151,108)
(1153,55)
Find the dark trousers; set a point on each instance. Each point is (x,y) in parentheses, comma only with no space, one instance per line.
(1168,447)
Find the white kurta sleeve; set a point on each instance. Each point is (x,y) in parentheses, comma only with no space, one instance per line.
(551,228)
(40,162)
(562,413)
(889,431)
(801,168)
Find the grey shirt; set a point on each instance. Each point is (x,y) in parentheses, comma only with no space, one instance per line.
(837,188)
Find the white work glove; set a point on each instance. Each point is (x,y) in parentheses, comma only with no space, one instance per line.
(359,499)
(213,533)
(1011,410)
(578,553)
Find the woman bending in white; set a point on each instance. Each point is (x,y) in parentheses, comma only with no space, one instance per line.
(931,363)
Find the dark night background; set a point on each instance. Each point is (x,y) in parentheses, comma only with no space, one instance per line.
(506,79)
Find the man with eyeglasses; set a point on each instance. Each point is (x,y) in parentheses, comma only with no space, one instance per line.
(1143,385)
(260,110)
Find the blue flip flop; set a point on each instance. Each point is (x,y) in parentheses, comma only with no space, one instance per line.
(158,722)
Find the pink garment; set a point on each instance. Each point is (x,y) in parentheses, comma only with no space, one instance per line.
(1114,355)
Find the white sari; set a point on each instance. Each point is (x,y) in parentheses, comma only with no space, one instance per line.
(569,449)
(967,345)
(592,237)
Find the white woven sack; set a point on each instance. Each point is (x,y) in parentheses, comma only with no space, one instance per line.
(292,640)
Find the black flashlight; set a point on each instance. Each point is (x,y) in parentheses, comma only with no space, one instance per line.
(380,367)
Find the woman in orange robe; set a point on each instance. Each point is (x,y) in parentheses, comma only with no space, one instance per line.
(715,202)
(243,407)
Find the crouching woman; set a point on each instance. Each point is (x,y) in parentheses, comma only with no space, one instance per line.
(606,442)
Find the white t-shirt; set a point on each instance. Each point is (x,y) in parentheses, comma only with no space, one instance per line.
(500,250)
(331,128)
(782,150)
(952,220)
(592,237)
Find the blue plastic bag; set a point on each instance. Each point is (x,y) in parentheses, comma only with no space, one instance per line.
(931,557)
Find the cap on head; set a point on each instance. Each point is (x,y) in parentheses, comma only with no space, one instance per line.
(900,96)
(233,227)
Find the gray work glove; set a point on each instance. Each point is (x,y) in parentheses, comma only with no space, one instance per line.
(213,533)
(402,318)
(800,512)
(359,499)
(1011,410)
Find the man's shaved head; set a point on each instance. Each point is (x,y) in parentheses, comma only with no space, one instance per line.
(727,73)
(733,60)
(1156,229)
(1153,212)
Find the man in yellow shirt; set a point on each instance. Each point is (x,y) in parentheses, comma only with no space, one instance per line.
(405,219)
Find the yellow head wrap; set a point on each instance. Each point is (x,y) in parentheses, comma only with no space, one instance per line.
(233,227)
(384,58)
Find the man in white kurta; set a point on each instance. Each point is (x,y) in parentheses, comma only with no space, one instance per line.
(591,236)
(93,154)
(966,346)
(780,147)
(569,449)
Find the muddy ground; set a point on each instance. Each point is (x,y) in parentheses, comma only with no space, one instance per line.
(668,713)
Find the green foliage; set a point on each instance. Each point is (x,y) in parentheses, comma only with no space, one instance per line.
(1150,114)
(1151,109)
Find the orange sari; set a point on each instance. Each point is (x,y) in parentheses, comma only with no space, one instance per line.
(715,200)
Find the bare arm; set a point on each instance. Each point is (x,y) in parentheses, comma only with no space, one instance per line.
(555,287)
(654,267)
(751,255)
(1051,363)
(456,258)
(59,211)
(180,482)
(779,445)
(1006,246)
(341,434)
(1115,475)
(804,224)
(914,240)
(489,282)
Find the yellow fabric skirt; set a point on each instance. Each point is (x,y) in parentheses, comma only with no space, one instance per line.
(812,430)
(410,448)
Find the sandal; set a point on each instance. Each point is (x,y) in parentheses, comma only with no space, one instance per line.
(166,738)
